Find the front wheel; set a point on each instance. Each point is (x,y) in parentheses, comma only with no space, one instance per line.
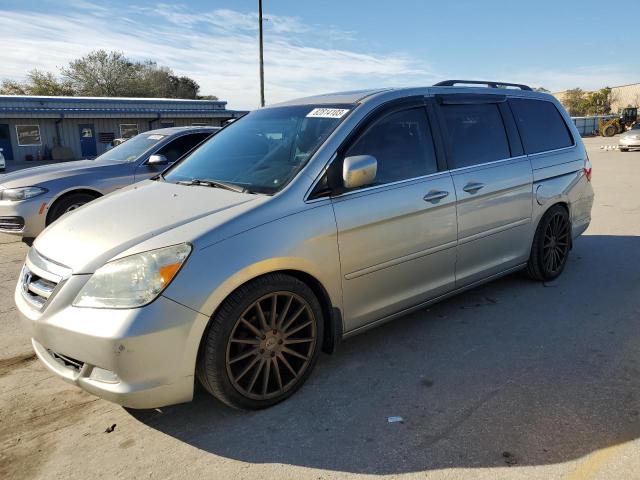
(551,244)
(68,204)
(262,344)
(609,131)
(624,149)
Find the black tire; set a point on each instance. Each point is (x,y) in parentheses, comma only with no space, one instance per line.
(67,204)
(551,245)
(624,149)
(609,131)
(225,353)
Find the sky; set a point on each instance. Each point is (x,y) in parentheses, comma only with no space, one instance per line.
(332,45)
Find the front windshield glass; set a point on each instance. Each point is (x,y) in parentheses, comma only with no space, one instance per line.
(130,150)
(636,126)
(263,150)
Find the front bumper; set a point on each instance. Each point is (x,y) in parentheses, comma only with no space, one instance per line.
(147,355)
(26,218)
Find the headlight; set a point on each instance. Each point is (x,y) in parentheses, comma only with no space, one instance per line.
(22,193)
(133,281)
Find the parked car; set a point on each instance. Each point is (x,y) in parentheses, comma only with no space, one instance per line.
(299,225)
(630,138)
(33,198)
(3,164)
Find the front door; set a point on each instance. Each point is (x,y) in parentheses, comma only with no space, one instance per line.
(397,237)
(5,142)
(493,185)
(87,140)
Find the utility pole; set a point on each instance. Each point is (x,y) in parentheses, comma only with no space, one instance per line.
(261,54)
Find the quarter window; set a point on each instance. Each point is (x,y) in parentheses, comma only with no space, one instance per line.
(541,126)
(28,135)
(402,144)
(476,134)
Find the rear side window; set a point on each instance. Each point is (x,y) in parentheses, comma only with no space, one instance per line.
(402,145)
(540,124)
(476,134)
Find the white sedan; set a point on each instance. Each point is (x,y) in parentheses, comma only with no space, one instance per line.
(630,138)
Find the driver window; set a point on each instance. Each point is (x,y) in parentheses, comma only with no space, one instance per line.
(177,148)
(402,145)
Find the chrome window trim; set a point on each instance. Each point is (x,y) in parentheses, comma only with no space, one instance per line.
(557,150)
(488,164)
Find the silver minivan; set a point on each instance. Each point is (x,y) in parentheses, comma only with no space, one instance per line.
(297,226)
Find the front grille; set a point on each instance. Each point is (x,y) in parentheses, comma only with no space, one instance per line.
(12,224)
(36,290)
(65,361)
(39,279)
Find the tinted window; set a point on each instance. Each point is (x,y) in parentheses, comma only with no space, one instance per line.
(476,134)
(181,145)
(402,145)
(541,125)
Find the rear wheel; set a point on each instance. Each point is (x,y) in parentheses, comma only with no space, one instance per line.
(551,244)
(68,204)
(262,344)
(624,149)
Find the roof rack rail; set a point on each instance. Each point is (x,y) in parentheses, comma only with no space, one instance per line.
(452,83)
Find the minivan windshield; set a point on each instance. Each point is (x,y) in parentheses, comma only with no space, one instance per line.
(130,150)
(263,150)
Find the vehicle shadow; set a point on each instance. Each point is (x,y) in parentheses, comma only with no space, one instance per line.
(511,372)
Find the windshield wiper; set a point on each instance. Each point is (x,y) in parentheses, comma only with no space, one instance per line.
(213,183)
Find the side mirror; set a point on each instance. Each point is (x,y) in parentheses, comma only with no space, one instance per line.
(359,170)
(157,160)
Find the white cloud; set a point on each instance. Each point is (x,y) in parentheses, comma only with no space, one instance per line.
(588,78)
(217,48)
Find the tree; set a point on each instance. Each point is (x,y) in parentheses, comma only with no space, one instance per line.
(574,101)
(579,103)
(103,74)
(107,74)
(36,83)
(599,102)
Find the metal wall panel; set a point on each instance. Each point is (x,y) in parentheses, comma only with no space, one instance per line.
(70,134)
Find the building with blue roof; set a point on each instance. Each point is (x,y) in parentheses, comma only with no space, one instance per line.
(31,126)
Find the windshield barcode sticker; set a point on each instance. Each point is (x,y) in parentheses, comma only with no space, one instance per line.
(327,113)
(155,137)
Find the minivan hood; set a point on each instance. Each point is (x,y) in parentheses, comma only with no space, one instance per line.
(44,173)
(87,238)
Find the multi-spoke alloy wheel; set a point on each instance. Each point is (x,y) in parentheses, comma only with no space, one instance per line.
(551,245)
(262,343)
(556,243)
(271,345)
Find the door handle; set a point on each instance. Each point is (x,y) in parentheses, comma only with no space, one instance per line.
(473,187)
(435,195)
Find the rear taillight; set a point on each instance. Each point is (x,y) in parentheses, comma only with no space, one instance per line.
(587,168)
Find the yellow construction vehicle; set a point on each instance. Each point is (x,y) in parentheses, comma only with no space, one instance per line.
(627,118)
